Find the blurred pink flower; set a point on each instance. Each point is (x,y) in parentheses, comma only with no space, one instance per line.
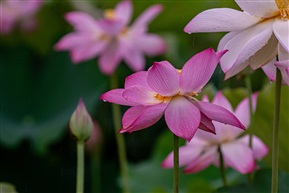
(111,39)
(169,91)
(20,12)
(203,149)
(254,34)
(93,144)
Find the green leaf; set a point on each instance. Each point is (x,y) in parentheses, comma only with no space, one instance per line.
(38,95)
(263,123)
(261,184)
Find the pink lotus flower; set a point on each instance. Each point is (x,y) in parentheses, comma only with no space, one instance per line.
(169,91)
(111,39)
(254,34)
(203,149)
(20,12)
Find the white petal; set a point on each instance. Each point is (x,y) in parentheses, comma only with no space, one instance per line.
(265,54)
(282,53)
(259,8)
(281,31)
(246,44)
(221,20)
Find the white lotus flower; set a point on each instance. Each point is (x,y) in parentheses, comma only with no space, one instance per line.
(255,34)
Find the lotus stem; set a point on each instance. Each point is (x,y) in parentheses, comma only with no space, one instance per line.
(222,167)
(275,139)
(249,91)
(176,164)
(120,140)
(80,167)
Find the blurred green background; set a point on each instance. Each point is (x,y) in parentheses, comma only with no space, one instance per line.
(40,89)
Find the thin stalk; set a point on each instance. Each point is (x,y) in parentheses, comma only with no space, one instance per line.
(249,90)
(80,167)
(176,164)
(275,139)
(222,167)
(120,140)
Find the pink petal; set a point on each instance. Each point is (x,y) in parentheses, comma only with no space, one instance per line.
(270,70)
(137,79)
(259,8)
(141,117)
(110,27)
(82,21)
(220,20)
(115,96)
(151,44)
(243,110)
(281,31)
(132,55)
(201,162)
(222,101)
(182,117)
(206,124)
(218,113)
(223,133)
(187,154)
(145,18)
(255,36)
(123,11)
(265,54)
(86,52)
(140,95)
(163,78)
(239,156)
(260,150)
(72,40)
(109,59)
(198,70)
(284,69)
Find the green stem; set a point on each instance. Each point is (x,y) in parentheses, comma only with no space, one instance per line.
(275,139)
(176,164)
(80,167)
(222,167)
(249,89)
(120,140)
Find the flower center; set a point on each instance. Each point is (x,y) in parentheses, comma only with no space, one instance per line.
(283,6)
(109,14)
(167,98)
(123,31)
(162,98)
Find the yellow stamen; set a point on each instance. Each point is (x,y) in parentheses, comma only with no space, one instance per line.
(283,6)
(179,71)
(109,14)
(161,98)
(123,31)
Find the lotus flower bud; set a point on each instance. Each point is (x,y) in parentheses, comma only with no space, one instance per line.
(80,123)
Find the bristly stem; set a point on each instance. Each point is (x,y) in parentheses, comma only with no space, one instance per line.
(249,90)
(80,167)
(275,139)
(120,140)
(176,164)
(222,167)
